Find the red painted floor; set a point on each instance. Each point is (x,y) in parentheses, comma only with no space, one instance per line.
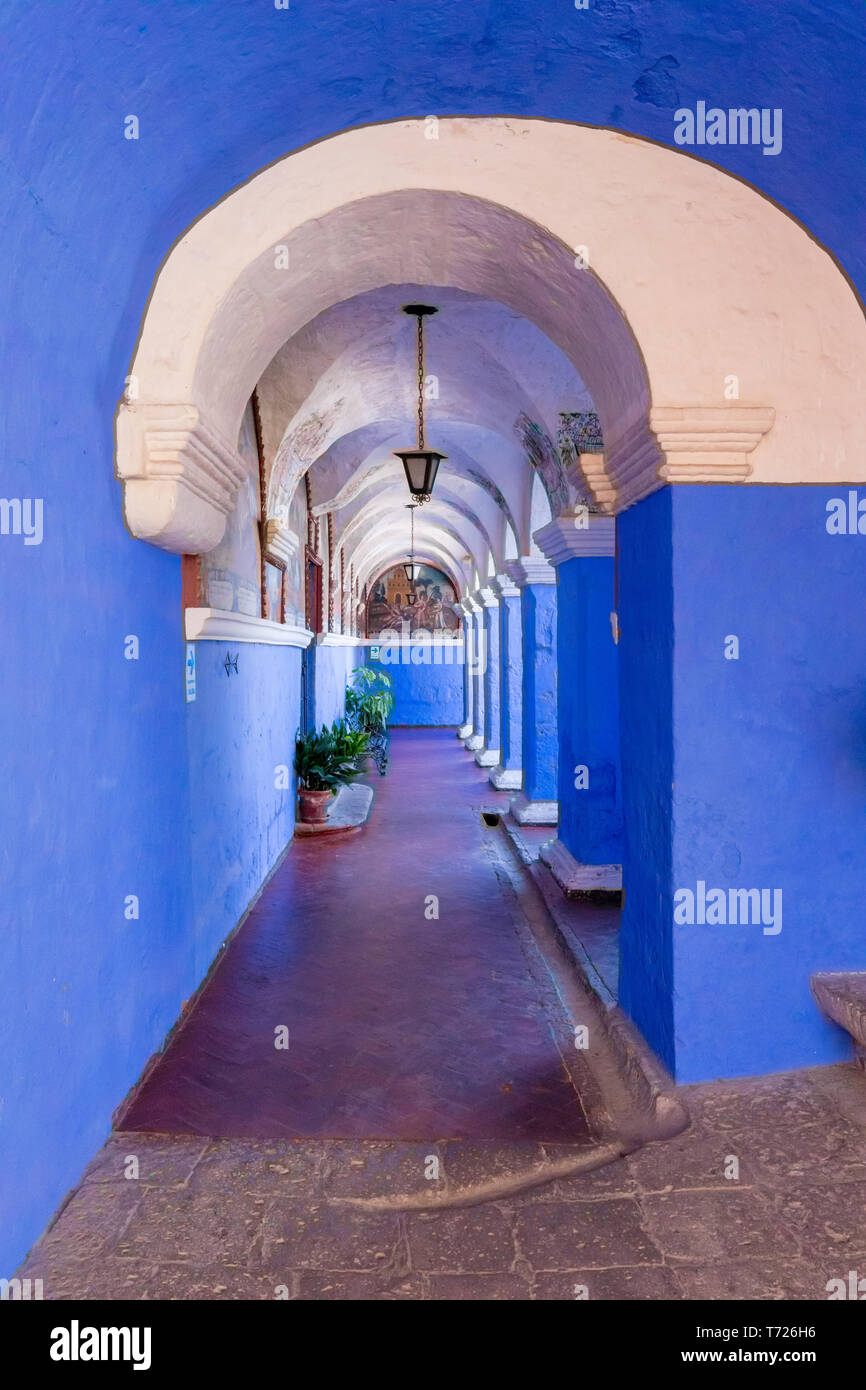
(400,1027)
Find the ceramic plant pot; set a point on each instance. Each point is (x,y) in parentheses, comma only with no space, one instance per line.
(314,806)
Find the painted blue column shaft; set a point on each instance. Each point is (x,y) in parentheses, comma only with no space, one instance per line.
(511,685)
(590,807)
(466,722)
(744,767)
(492,677)
(478,659)
(540,738)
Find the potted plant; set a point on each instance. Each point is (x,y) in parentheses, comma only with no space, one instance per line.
(369,702)
(324,762)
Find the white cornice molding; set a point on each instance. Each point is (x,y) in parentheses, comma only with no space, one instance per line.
(685,444)
(488,597)
(218,625)
(279,541)
(710,444)
(336,639)
(577,534)
(531,569)
(505,586)
(180,478)
(594,469)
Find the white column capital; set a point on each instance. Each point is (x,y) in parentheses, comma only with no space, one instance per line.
(505,586)
(531,569)
(576,533)
(489,598)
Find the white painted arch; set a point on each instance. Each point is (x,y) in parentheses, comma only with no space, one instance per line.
(705,274)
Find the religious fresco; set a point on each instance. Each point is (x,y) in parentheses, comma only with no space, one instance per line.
(544,457)
(426,605)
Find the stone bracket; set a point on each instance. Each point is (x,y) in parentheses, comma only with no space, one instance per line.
(180,478)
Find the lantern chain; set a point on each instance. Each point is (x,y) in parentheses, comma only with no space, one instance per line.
(420,381)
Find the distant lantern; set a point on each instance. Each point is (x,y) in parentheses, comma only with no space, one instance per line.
(420,464)
(411,566)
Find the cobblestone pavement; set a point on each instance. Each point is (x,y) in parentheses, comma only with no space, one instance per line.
(243,1219)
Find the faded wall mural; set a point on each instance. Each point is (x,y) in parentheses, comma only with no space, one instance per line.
(426,605)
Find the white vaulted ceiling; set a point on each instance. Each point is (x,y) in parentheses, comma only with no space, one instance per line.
(341,395)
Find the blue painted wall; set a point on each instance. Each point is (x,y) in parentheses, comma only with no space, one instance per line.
(425,692)
(98,788)
(241,732)
(540,733)
(768,762)
(334,667)
(590,818)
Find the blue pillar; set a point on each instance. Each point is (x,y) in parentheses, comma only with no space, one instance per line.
(509,773)
(537,803)
(489,755)
(476,671)
(465,728)
(581,546)
(742,655)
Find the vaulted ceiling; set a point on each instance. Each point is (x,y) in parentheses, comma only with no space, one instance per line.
(341,395)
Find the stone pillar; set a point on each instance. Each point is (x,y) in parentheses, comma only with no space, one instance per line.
(537,803)
(475,741)
(508,774)
(586,857)
(489,755)
(465,728)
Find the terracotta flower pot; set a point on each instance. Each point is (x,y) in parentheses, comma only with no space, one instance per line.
(314,806)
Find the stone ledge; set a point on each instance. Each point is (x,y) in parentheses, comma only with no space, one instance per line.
(841,997)
(592,882)
(347,812)
(506,778)
(488,757)
(527,812)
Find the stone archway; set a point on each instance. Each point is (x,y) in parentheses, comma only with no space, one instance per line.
(640,245)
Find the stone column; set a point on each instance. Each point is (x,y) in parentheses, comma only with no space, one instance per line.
(537,802)
(475,741)
(508,774)
(489,755)
(465,729)
(586,857)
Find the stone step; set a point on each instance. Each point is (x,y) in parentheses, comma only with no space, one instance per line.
(842,998)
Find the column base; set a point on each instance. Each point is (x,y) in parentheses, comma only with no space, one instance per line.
(464,730)
(507,778)
(528,812)
(599,882)
(488,757)
(474,743)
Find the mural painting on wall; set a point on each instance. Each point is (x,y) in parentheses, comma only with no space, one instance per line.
(425,605)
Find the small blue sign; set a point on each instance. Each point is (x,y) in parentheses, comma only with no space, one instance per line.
(189,672)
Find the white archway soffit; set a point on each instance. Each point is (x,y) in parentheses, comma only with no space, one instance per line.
(710,279)
(439,529)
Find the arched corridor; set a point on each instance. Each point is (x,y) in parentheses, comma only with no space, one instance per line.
(499,474)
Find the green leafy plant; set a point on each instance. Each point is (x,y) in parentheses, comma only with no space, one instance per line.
(370,699)
(332,758)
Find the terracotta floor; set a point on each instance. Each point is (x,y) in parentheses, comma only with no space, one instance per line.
(400,1026)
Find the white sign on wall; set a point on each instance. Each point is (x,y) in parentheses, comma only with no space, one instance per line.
(189,672)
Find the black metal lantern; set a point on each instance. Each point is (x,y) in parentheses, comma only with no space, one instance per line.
(420,464)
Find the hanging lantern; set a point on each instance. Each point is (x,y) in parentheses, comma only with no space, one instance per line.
(420,464)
